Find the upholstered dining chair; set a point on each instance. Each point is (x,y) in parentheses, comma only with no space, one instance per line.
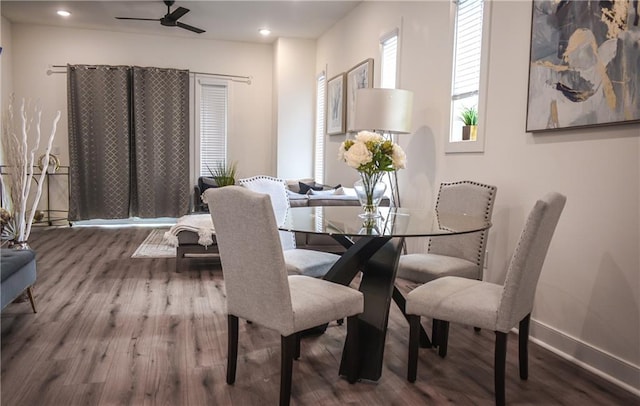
(299,261)
(457,255)
(488,305)
(258,287)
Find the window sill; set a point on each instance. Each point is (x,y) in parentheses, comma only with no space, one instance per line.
(454,147)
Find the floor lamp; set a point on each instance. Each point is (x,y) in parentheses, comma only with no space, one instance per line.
(387,112)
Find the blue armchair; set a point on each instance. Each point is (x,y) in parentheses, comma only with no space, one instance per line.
(18,269)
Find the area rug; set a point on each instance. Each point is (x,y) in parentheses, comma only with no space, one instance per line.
(154,246)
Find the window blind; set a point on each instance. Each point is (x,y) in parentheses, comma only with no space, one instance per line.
(318,167)
(466,80)
(389,65)
(213,127)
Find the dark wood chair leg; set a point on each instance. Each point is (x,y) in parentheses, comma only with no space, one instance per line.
(232,348)
(434,332)
(287,352)
(353,355)
(414,341)
(443,338)
(499,367)
(401,302)
(523,347)
(31,298)
(297,354)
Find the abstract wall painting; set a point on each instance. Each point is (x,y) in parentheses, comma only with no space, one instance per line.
(359,77)
(584,64)
(335,114)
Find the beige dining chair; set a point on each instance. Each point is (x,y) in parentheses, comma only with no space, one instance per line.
(457,255)
(259,289)
(299,261)
(488,305)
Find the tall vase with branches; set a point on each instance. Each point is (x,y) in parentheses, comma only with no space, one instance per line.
(21,137)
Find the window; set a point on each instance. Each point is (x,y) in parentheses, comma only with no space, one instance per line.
(211,124)
(388,80)
(318,165)
(389,60)
(467,72)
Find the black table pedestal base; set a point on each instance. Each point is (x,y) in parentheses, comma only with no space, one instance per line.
(377,258)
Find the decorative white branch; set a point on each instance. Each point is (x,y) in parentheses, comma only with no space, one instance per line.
(26,185)
(44,170)
(19,161)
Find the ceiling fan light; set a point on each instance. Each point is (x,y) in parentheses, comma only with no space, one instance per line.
(264,31)
(63,13)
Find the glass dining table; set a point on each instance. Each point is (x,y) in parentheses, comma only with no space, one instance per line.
(373,247)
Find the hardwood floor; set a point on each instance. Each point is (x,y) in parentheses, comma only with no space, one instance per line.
(112,330)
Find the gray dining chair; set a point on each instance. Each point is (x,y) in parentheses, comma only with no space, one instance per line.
(259,289)
(457,255)
(488,305)
(299,261)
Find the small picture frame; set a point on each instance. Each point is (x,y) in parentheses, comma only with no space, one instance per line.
(359,77)
(336,91)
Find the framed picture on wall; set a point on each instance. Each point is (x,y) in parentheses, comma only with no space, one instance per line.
(335,114)
(360,76)
(583,68)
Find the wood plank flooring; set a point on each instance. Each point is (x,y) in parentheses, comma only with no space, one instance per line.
(112,330)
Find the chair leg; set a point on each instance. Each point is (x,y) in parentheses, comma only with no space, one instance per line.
(443,338)
(297,354)
(232,348)
(435,333)
(31,298)
(353,356)
(414,341)
(287,352)
(499,367)
(523,350)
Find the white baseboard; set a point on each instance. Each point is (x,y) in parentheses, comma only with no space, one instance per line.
(601,363)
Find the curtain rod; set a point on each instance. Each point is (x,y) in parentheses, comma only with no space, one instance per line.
(234,78)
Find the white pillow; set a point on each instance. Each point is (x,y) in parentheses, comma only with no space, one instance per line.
(294,195)
(338,191)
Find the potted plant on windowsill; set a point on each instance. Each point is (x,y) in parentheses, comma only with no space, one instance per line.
(223,174)
(469,117)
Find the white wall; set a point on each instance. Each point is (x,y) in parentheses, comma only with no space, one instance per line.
(587,302)
(251,139)
(6,71)
(294,92)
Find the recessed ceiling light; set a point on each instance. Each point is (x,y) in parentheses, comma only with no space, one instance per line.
(264,31)
(63,13)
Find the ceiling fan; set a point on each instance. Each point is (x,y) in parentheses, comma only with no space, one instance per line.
(170,19)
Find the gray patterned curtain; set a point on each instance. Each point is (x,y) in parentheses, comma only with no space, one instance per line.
(160,102)
(98,142)
(128,142)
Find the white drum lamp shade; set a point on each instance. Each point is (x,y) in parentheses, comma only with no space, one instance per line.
(383,110)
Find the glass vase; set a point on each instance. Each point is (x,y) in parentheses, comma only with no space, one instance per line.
(370,191)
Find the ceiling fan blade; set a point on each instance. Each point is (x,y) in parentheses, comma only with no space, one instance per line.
(177,13)
(138,19)
(189,27)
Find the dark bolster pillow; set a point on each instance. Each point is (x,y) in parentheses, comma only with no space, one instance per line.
(306,187)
